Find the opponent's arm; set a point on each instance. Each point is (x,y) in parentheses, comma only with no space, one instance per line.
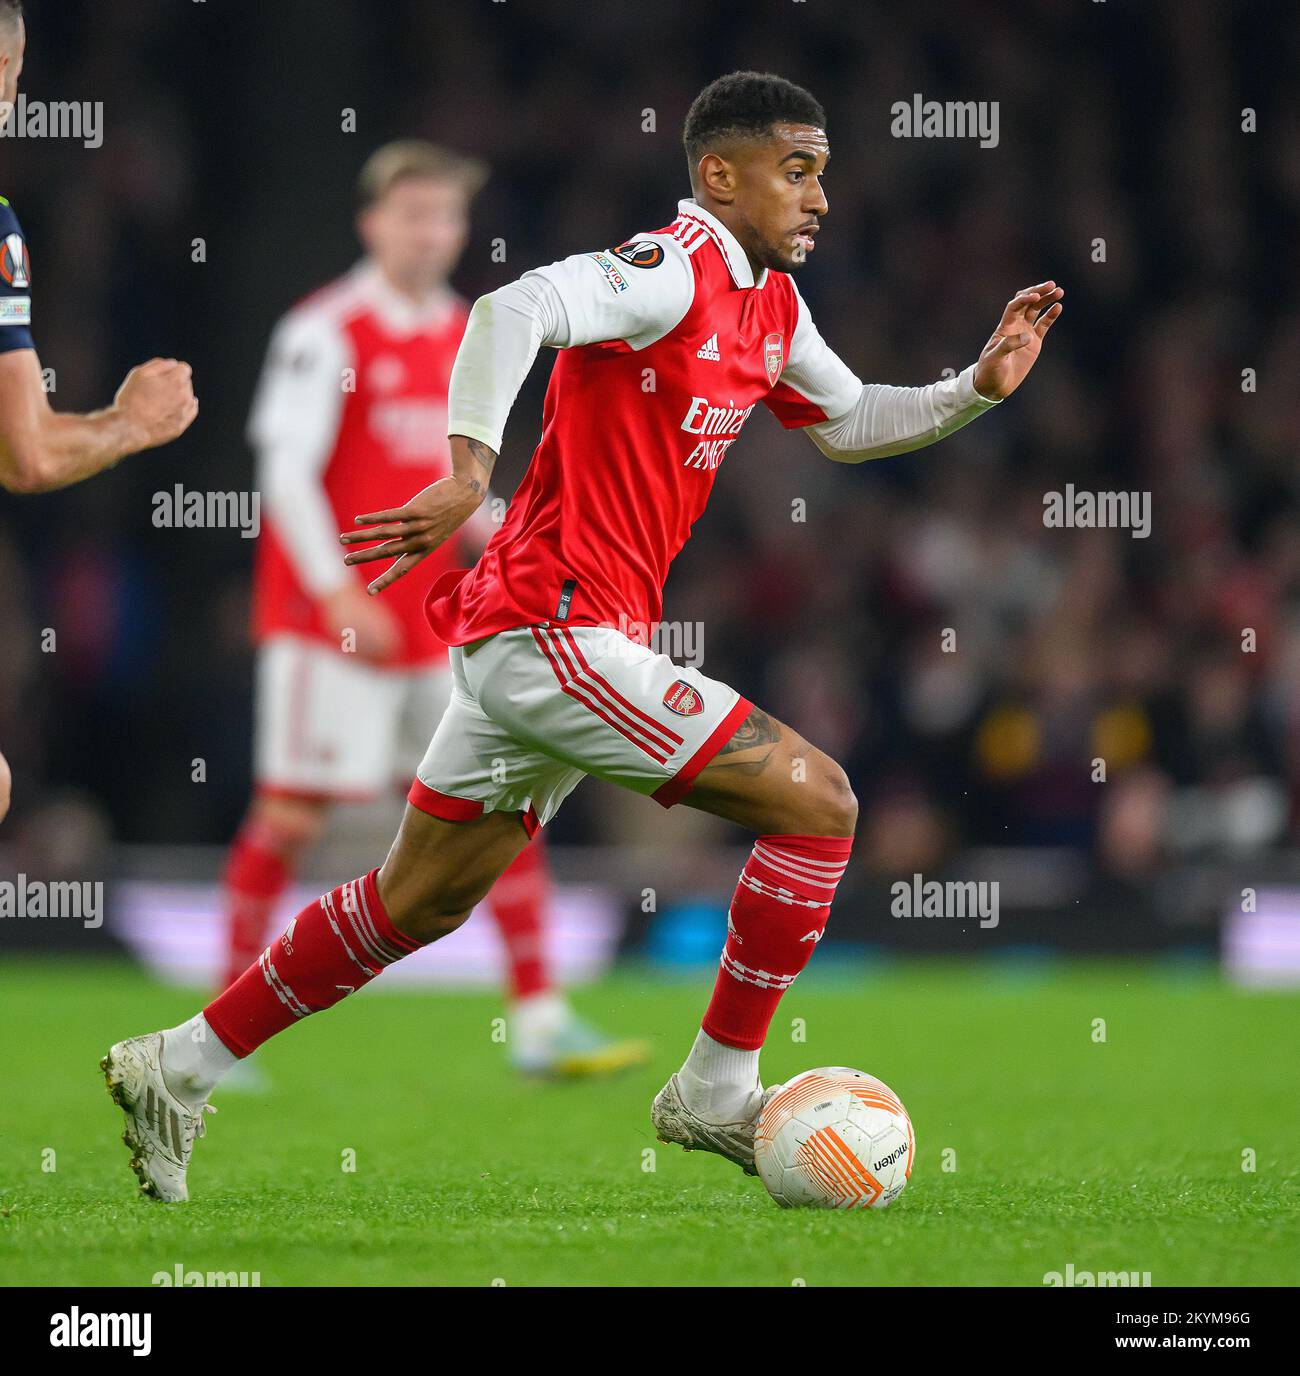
(42,449)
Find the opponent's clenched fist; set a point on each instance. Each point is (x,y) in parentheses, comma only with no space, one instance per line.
(158,397)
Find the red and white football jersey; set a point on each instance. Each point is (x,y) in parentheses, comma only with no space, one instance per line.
(670,342)
(350,417)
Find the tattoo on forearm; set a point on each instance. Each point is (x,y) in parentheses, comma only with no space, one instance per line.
(484,458)
(487,457)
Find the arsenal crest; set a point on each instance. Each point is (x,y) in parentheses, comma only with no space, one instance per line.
(683,699)
(773,357)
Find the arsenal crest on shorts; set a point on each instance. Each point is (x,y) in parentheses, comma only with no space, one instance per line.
(683,699)
(773,357)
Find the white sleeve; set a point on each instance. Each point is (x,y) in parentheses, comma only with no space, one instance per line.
(894,420)
(867,421)
(637,294)
(589,298)
(293,426)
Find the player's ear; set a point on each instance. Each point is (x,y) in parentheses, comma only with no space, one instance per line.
(718,177)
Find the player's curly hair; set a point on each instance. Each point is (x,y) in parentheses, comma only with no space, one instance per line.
(745,105)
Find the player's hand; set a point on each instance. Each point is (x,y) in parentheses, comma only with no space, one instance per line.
(412,532)
(376,636)
(1014,346)
(158,398)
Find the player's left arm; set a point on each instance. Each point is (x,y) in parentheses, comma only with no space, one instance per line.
(850,421)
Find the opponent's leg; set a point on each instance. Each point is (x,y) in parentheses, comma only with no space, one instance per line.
(798,800)
(435,873)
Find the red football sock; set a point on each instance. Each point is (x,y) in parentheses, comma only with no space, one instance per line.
(257,873)
(332,948)
(777,916)
(518,904)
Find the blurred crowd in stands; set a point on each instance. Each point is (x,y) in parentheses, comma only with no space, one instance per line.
(914,616)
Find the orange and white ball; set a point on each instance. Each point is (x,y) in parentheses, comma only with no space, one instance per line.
(834,1138)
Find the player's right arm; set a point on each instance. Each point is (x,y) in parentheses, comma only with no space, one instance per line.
(588,298)
(42,449)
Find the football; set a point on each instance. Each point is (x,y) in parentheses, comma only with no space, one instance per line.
(834,1138)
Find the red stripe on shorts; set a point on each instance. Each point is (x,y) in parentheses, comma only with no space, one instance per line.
(582,693)
(665,731)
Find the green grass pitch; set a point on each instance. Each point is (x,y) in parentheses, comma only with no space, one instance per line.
(1117,1155)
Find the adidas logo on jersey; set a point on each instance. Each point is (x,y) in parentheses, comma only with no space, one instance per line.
(710,350)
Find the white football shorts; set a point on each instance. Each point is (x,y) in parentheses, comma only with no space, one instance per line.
(534,709)
(332,726)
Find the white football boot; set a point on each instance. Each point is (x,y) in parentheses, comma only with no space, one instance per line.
(674,1122)
(160,1128)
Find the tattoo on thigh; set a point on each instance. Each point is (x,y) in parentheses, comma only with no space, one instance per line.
(758,729)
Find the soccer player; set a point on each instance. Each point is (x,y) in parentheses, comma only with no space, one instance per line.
(666,343)
(352,407)
(42,449)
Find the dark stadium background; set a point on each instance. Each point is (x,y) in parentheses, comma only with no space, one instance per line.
(1117,121)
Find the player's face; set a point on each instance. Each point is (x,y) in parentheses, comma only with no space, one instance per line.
(416,231)
(778,195)
(11,56)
